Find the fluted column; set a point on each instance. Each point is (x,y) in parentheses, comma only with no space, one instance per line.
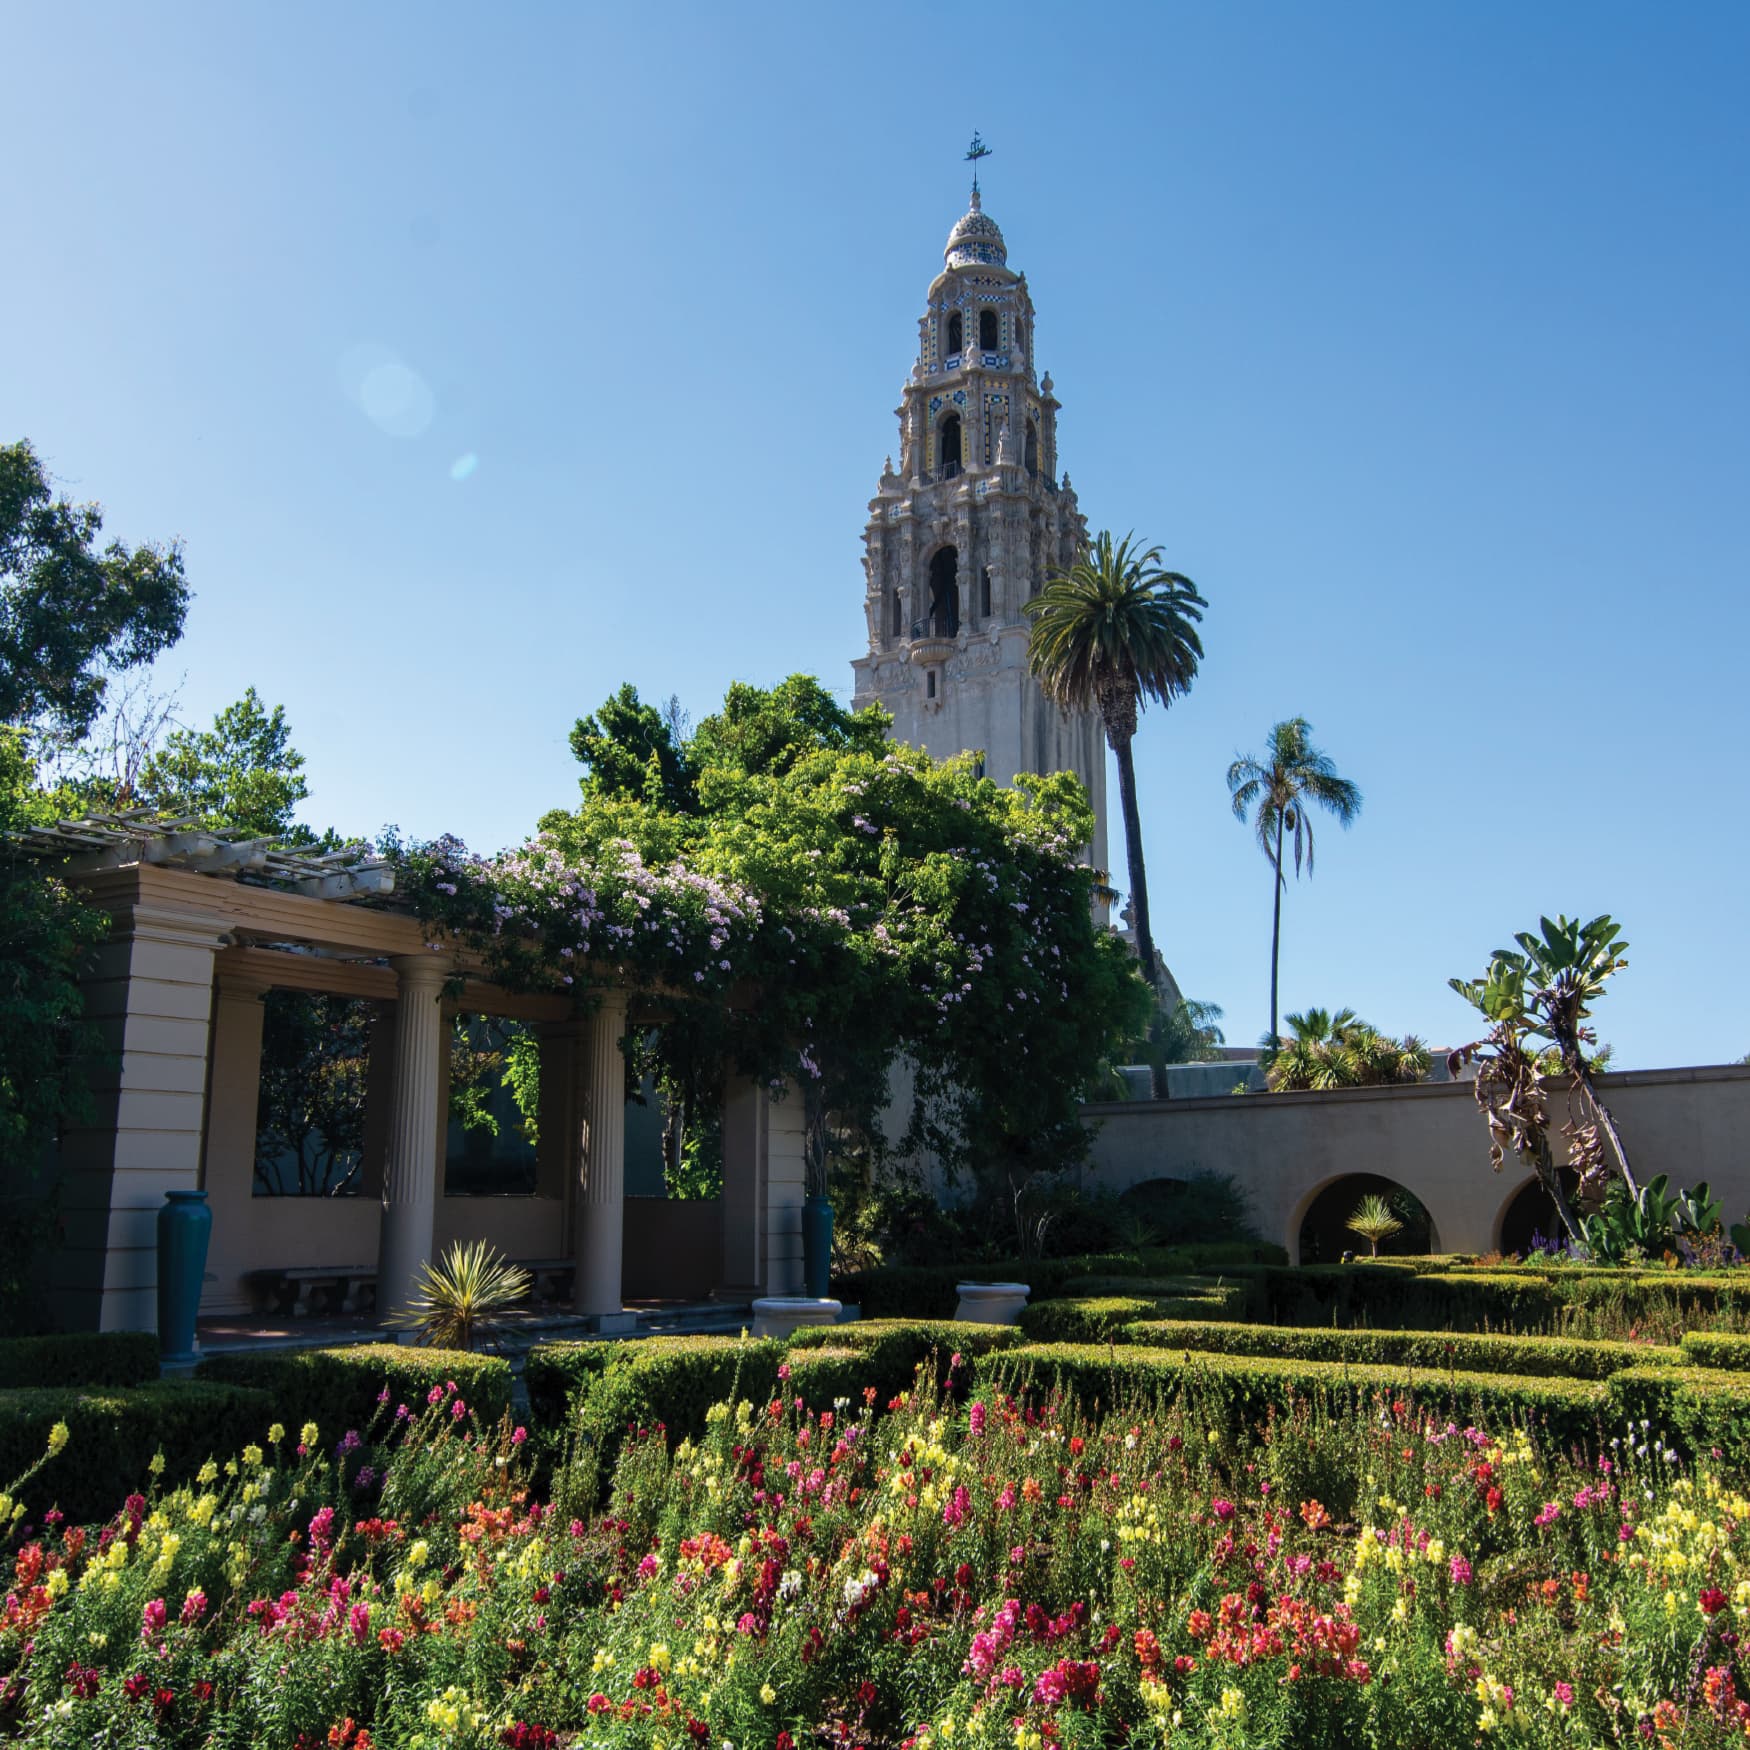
(601,1188)
(410,1169)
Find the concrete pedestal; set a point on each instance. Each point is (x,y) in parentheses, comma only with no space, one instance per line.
(779,1315)
(991,1303)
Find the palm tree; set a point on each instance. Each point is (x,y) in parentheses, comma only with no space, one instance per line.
(1291,775)
(1109,634)
(1339,1050)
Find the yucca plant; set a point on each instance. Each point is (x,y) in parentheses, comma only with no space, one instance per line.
(1373,1221)
(462,1296)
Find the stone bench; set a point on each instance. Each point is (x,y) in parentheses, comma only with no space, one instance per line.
(311,1289)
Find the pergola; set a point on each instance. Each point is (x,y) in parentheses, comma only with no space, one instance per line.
(203,925)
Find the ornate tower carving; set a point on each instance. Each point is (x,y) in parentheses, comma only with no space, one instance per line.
(965,533)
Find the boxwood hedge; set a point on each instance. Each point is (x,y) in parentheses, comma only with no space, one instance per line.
(338,1389)
(79,1358)
(114,1432)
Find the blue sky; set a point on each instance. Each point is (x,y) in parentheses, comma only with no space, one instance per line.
(484,358)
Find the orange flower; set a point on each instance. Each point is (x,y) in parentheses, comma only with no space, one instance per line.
(1315,1514)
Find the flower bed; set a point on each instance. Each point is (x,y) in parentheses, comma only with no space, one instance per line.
(925,1574)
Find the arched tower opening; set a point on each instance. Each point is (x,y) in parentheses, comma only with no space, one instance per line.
(945,592)
(1031,455)
(956,332)
(987,330)
(948,447)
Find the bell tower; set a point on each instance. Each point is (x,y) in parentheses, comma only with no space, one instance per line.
(965,532)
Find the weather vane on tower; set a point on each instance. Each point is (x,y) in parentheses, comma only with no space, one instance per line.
(978,149)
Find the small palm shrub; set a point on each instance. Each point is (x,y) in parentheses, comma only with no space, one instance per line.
(1373,1221)
(462,1297)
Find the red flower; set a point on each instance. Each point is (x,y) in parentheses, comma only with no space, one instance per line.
(1713,1601)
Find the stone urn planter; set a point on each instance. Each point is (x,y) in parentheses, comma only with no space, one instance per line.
(991,1303)
(781,1314)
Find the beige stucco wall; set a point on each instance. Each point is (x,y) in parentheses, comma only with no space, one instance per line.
(1283,1149)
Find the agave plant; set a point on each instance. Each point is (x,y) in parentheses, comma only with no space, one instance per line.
(461,1297)
(1373,1221)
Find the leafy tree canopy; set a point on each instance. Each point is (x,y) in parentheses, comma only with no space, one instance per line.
(833,901)
(243,773)
(630,750)
(68,612)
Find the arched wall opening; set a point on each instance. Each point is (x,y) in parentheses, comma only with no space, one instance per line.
(956,332)
(1324,1234)
(1031,456)
(1528,1218)
(987,331)
(945,592)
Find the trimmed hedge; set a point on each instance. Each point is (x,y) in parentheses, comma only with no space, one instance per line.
(1717,1350)
(668,1380)
(1703,1410)
(1424,1351)
(892,1350)
(338,1389)
(557,1375)
(1246,1387)
(932,1291)
(114,1431)
(79,1358)
(1098,1319)
(1390,1295)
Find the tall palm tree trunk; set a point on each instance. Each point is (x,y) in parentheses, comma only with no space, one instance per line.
(1276,930)
(1145,942)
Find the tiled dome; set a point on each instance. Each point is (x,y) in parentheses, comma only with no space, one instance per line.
(976,240)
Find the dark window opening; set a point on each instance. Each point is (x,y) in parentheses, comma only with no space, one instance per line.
(945,593)
(956,332)
(495,1080)
(952,457)
(984,594)
(310,1103)
(1032,454)
(1020,336)
(987,330)
(930,684)
(898,615)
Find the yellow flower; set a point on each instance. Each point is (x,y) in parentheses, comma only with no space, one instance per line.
(59,1435)
(252,1455)
(1233,1705)
(207,1473)
(156,1466)
(276,1433)
(56,1584)
(309,1433)
(768,1694)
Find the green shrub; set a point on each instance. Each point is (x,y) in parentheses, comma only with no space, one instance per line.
(893,1349)
(338,1389)
(556,1376)
(1700,1410)
(79,1358)
(1095,1320)
(1422,1351)
(114,1432)
(1244,1388)
(1718,1350)
(931,1291)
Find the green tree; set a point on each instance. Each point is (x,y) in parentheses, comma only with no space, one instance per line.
(831,904)
(1340,1050)
(69,614)
(1292,777)
(242,774)
(1109,634)
(48,1050)
(631,750)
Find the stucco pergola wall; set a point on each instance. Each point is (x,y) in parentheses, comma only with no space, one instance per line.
(177,993)
(1284,1149)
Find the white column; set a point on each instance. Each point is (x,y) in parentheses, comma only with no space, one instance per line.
(601,1190)
(410,1171)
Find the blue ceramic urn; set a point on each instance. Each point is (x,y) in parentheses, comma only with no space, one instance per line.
(816,1247)
(184,1226)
